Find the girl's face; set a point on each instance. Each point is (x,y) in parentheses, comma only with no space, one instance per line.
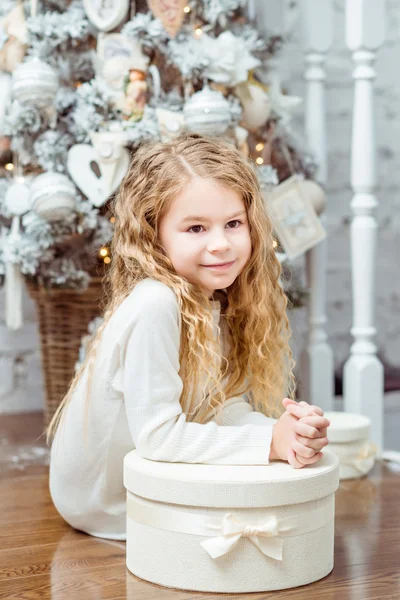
(205,226)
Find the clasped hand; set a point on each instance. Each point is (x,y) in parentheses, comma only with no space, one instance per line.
(300,434)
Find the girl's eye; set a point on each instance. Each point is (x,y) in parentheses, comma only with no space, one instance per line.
(194,227)
(191,230)
(235,221)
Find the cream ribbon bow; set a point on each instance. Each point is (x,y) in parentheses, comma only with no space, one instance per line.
(263,536)
(361,461)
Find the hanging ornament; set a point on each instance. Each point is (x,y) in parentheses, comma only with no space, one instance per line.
(229,59)
(115,55)
(108,157)
(35,82)
(170,123)
(136,86)
(170,12)
(256,104)
(122,66)
(135,95)
(17,203)
(52,196)
(295,221)
(13,29)
(283,105)
(106,15)
(207,112)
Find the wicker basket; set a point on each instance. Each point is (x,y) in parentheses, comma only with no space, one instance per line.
(64,316)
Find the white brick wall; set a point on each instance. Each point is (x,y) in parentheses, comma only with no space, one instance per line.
(21,384)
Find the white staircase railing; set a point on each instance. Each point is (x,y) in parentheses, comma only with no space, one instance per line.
(316,361)
(363,372)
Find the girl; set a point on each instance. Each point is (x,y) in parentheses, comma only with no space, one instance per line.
(193,351)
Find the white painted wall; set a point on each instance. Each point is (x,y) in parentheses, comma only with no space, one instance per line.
(21,383)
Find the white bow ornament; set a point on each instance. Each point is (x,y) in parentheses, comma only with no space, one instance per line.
(264,536)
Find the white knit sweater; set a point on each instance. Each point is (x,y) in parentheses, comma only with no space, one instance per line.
(134,403)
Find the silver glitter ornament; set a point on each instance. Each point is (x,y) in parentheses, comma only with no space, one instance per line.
(207,112)
(35,82)
(52,196)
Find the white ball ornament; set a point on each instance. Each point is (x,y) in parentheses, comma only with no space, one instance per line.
(35,82)
(16,199)
(256,105)
(207,112)
(52,196)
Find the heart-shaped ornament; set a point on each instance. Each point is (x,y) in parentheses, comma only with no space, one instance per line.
(96,188)
(170,13)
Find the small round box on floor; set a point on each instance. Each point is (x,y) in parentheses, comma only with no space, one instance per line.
(349,439)
(232,529)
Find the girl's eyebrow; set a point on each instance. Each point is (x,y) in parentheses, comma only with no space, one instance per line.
(242,212)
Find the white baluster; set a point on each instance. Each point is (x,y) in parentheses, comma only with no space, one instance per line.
(268,16)
(316,360)
(363,372)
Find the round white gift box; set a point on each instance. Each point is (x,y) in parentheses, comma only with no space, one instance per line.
(234,529)
(348,436)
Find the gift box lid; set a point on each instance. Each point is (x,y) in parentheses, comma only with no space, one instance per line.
(347,427)
(230,486)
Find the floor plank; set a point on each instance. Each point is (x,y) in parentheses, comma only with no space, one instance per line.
(41,557)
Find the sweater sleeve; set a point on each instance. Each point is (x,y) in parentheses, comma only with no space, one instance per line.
(238,411)
(152,388)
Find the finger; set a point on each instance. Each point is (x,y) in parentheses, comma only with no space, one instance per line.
(316,421)
(287,401)
(309,461)
(308,431)
(299,411)
(292,459)
(316,444)
(301,450)
(313,408)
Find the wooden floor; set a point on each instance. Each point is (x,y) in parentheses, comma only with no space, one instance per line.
(41,557)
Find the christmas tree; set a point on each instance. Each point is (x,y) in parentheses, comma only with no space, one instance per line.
(84,83)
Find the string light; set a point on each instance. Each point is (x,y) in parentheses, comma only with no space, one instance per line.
(274,244)
(9,166)
(112,220)
(103,252)
(259,160)
(107,260)
(260,146)
(198,32)
(186,9)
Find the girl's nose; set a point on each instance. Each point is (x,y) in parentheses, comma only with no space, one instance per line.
(218,243)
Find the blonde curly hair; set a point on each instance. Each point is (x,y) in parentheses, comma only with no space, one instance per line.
(253,311)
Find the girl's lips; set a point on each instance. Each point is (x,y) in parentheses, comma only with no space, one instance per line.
(220,267)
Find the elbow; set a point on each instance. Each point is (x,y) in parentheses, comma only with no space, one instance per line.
(156,444)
